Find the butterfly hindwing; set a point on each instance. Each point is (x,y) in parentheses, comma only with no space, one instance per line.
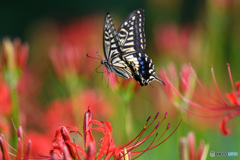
(131,33)
(121,68)
(143,68)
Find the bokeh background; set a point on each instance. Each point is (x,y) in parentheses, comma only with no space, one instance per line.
(59,82)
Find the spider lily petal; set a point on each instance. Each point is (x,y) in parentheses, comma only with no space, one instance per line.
(89,141)
(28,149)
(88,137)
(4,148)
(7,155)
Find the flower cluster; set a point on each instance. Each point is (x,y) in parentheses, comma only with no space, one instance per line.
(64,146)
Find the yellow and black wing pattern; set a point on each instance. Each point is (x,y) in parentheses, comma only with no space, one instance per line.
(123,49)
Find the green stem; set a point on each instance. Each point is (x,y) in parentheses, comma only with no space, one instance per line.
(14,115)
(126,96)
(123,119)
(74,85)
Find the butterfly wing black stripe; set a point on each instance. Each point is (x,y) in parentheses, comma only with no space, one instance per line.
(143,68)
(110,44)
(131,33)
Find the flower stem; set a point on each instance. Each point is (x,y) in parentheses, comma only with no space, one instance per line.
(125,114)
(74,85)
(123,120)
(14,115)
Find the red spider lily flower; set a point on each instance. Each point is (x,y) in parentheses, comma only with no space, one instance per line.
(188,150)
(214,106)
(60,113)
(56,114)
(14,55)
(184,84)
(234,96)
(76,40)
(66,60)
(64,147)
(70,60)
(13,60)
(5,99)
(63,143)
(5,154)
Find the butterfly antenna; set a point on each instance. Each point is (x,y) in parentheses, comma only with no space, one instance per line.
(93,57)
(98,55)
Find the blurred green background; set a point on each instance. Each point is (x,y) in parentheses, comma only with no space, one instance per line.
(203,33)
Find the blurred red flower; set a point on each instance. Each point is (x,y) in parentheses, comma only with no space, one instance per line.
(5,99)
(14,54)
(67,60)
(60,113)
(41,142)
(188,148)
(97,102)
(214,106)
(76,40)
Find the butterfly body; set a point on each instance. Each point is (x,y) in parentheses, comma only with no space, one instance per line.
(123,49)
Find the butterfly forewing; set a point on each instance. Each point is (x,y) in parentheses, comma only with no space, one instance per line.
(110,44)
(131,33)
(112,51)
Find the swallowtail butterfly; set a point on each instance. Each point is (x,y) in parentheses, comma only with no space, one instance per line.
(123,49)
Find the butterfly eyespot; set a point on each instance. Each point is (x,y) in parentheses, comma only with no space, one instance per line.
(142,63)
(139,58)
